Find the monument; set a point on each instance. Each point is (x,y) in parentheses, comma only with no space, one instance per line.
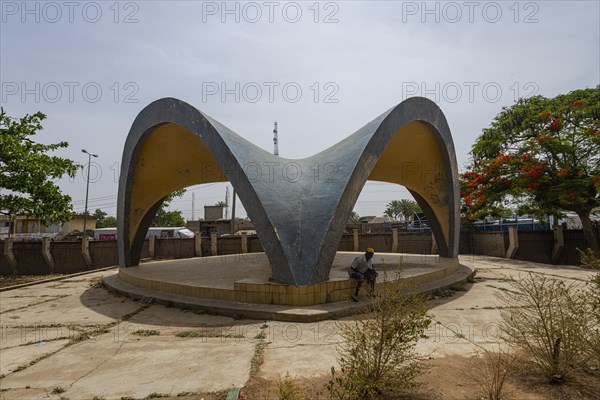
(299,207)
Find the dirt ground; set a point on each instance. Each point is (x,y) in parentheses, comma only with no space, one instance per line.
(449,378)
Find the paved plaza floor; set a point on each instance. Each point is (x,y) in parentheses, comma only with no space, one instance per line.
(241,285)
(74,339)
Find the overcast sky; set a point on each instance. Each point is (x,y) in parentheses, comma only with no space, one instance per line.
(321,70)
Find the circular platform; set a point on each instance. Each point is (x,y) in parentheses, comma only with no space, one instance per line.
(240,284)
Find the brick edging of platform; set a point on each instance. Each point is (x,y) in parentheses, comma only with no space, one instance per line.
(263,311)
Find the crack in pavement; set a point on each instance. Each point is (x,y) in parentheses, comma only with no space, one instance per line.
(525,270)
(98,366)
(62,296)
(32,363)
(34,342)
(85,334)
(305,345)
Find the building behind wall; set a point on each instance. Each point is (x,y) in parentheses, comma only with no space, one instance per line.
(219,226)
(28,227)
(213,213)
(214,222)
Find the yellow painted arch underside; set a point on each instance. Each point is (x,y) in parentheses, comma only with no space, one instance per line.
(413,159)
(173,158)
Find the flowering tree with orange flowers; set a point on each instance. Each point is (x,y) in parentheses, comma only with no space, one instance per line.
(542,154)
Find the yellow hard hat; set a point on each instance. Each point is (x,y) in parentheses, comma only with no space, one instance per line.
(370,250)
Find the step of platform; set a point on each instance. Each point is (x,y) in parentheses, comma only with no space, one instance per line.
(270,312)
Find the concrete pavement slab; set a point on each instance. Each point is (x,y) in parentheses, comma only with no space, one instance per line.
(18,356)
(27,393)
(139,366)
(481,295)
(509,267)
(159,365)
(15,335)
(299,360)
(11,303)
(301,349)
(92,306)
(171,320)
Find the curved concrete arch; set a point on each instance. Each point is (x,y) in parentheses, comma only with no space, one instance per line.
(299,207)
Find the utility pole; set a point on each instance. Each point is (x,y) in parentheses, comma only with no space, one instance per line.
(87,189)
(227,202)
(193,206)
(233,213)
(275,140)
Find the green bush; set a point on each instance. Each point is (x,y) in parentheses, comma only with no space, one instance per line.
(378,353)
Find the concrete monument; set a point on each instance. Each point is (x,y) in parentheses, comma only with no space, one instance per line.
(299,207)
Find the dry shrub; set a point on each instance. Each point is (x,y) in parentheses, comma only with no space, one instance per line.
(378,353)
(550,322)
(285,388)
(492,372)
(96,282)
(288,389)
(589,259)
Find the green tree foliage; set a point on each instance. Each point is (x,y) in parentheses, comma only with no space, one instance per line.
(404,207)
(28,173)
(169,218)
(110,222)
(100,217)
(366,218)
(543,155)
(104,221)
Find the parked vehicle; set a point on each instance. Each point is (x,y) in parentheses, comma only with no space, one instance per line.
(246,231)
(523,223)
(105,234)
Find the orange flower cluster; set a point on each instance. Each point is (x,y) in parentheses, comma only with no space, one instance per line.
(473,193)
(556,125)
(503,158)
(469,199)
(532,172)
(529,154)
(570,197)
(543,138)
(563,172)
(577,103)
(545,116)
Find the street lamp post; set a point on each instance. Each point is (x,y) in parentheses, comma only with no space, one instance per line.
(87,189)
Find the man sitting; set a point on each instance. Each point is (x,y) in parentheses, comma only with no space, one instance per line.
(361,270)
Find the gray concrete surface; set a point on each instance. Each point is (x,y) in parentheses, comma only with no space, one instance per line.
(41,349)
